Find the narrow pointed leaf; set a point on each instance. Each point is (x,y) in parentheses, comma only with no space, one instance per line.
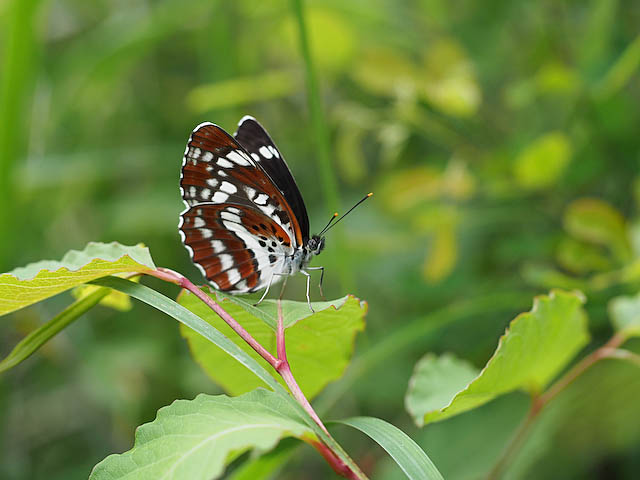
(40,336)
(37,281)
(413,461)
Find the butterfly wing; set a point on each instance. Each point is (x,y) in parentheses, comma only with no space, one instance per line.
(238,249)
(228,196)
(255,139)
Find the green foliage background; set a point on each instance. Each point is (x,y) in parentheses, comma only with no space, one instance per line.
(500,138)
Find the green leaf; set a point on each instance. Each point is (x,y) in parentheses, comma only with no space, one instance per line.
(319,345)
(184,316)
(196,439)
(116,300)
(268,465)
(40,336)
(625,315)
(407,454)
(435,381)
(595,221)
(543,161)
(37,281)
(535,347)
(292,311)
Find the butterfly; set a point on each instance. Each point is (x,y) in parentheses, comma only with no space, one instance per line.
(245,225)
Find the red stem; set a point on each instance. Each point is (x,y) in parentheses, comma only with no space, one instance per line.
(182,281)
(284,369)
(336,464)
(280,364)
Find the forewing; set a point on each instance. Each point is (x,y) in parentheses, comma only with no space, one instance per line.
(255,139)
(216,170)
(236,248)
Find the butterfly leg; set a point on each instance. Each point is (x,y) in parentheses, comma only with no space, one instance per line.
(321,278)
(308,281)
(268,287)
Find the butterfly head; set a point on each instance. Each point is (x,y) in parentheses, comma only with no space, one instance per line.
(315,245)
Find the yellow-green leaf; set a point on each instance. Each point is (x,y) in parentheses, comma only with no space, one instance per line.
(434,382)
(37,281)
(535,348)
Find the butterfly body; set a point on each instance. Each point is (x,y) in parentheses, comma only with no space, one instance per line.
(245,224)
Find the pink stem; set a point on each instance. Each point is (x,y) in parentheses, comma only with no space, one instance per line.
(280,364)
(182,281)
(336,464)
(284,369)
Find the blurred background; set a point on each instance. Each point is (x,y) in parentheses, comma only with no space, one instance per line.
(500,139)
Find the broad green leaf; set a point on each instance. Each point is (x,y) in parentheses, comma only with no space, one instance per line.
(37,281)
(406,453)
(535,347)
(184,316)
(196,439)
(435,381)
(625,315)
(40,336)
(543,161)
(319,345)
(595,221)
(292,311)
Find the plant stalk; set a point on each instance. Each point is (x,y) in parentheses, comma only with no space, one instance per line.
(280,364)
(608,350)
(182,281)
(284,369)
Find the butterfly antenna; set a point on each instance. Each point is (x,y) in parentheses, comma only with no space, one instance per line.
(329,227)
(333,217)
